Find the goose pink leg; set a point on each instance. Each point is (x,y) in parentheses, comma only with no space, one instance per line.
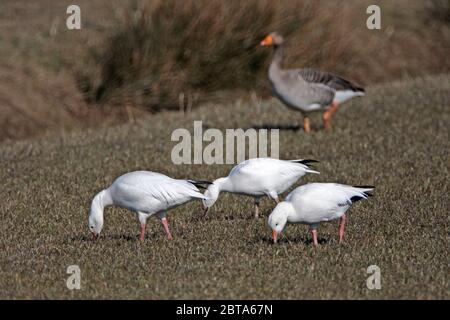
(327,116)
(342,228)
(256,209)
(142,237)
(166,228)
(205,211)
(306,125)
(314,234)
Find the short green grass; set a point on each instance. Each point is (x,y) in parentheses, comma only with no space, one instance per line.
(397,138)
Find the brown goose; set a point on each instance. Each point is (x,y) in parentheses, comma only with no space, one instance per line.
(307,90)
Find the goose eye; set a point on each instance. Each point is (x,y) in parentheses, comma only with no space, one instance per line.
(92,227)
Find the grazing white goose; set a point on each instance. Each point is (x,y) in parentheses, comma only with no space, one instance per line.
(146,193)
(257,178)
(314,203)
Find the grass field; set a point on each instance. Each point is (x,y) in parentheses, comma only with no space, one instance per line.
(53,79)
(397,138)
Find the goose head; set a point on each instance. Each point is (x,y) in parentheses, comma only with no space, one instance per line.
(273,39)
(211,194)
(95,219)
(278,219)
(95,223)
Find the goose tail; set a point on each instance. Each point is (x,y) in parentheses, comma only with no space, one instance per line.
(305,161)
(201,184)
(308,163)
(365,192)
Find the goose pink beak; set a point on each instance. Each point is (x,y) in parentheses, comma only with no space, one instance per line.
(267,41)
(274,236)
(94,236)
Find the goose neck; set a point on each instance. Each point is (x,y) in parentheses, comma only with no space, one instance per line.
(276,65)
(290,212)
(101,201)
(223,184)
(278,57)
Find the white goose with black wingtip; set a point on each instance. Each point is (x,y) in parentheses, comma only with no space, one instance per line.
(314,203)
(146,193)
(259,177)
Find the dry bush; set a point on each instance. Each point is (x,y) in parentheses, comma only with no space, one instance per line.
(198,47)
(149,54)
(161,50)
(439,10)
(29,108)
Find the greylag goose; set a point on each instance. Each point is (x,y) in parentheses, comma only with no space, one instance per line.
(314,203)
(307,90)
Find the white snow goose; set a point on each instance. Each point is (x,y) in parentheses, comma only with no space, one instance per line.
(146,193)
(307,90)
(257,178)
(314,203)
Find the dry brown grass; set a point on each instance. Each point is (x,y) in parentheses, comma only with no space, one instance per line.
(395,138)
(38,59)
(133,56)
(160,49)
(439,11)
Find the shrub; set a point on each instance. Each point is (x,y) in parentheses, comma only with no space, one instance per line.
(439,10)
(164,48)
(163,51)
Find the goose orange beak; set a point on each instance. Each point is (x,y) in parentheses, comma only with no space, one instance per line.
(274,236)
(267,41)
